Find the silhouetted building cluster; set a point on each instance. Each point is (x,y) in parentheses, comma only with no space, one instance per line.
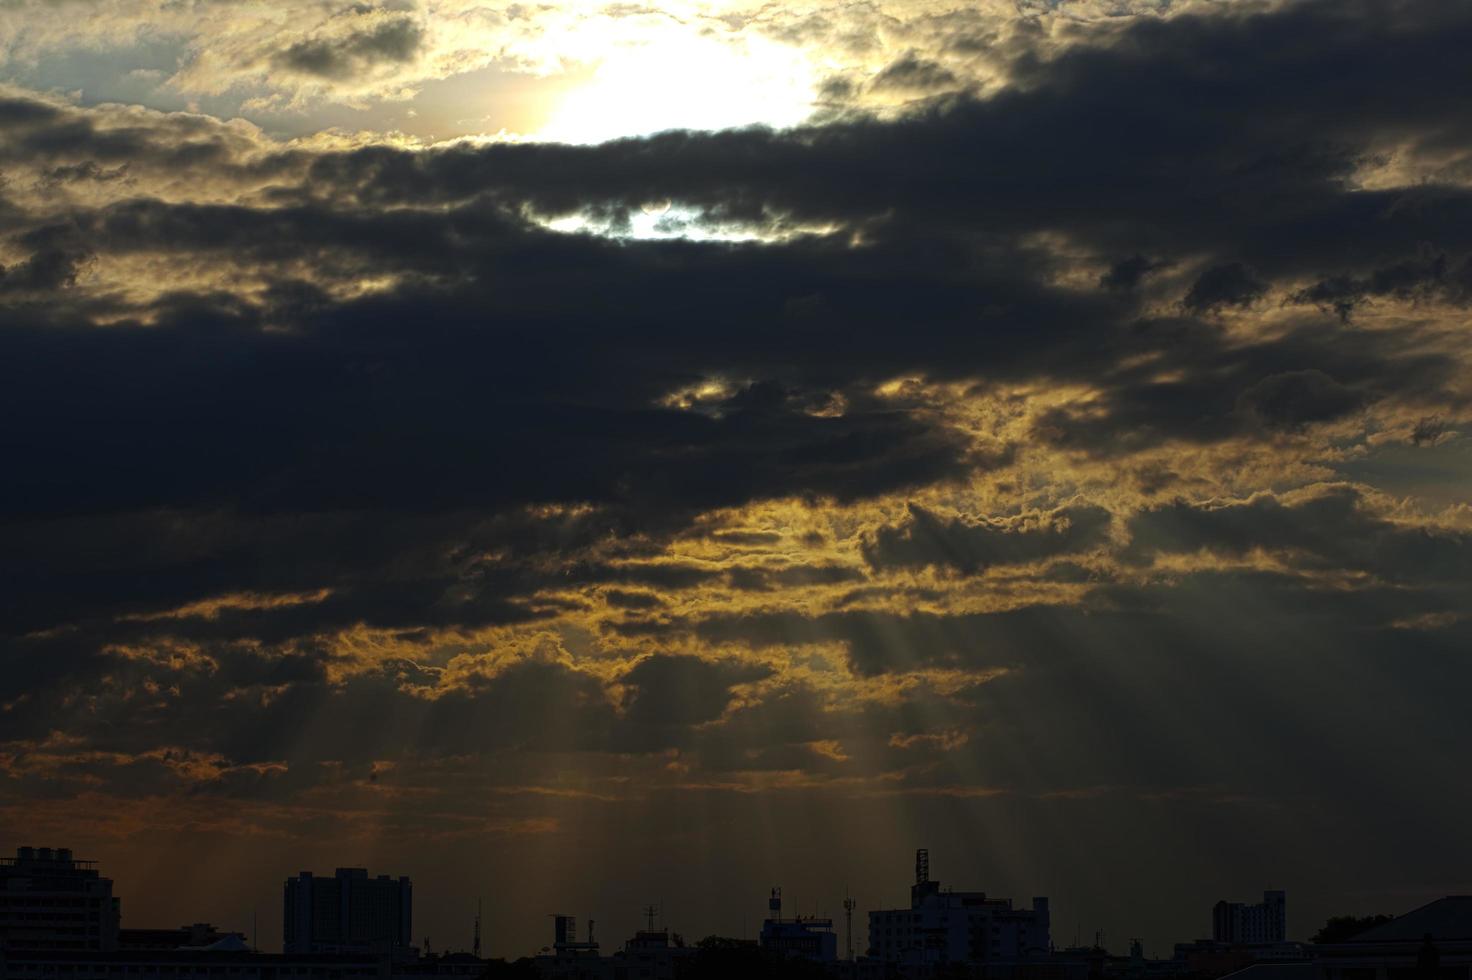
(59,918)
(941,932)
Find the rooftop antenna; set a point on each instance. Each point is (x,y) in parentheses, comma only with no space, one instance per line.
(848,917)
(774,904)
(649,911)
(255,927)
(475,946)
(922,865)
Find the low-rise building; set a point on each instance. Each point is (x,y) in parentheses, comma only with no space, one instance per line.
(945,926)
(808,937)
(196,935)
(182,964)
(1433,942)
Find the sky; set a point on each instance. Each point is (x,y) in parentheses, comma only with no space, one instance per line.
(583,456)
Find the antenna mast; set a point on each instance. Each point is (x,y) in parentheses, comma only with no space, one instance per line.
(475,946)
(649,911)
(848,916)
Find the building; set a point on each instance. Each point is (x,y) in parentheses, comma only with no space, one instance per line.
(185,964)
(569,959)
(1251,925)
(1275,970)
(653,954)
(348,913)
(52,901)
(805,937)
(1208,958)
(944,926)
(1433,942)
(196,936)
(237,964)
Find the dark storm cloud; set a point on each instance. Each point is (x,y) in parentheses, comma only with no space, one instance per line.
(793,576)
(913,73)
(671,694)
(1232,284)
(883,642)
(87,170)
(1310,373)
(1425,276)
(1128,273)
(925,538)
(1224,133)
(392,41)
(1429,430)
(1332,528)
(1115,624)
(396,448)
(1293,399)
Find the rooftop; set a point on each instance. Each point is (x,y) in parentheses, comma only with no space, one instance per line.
(1290,970)
(1445,918)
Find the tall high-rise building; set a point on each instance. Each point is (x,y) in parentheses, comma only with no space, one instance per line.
(1251,925)
(347,913)
(52,901)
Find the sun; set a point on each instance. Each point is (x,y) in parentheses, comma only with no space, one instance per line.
(676,79)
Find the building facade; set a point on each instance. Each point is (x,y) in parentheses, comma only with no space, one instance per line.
(49,900)
(1251,925)
(347,913)
(944,926)
(806,937)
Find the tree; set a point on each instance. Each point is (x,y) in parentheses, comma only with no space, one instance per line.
(1342,928)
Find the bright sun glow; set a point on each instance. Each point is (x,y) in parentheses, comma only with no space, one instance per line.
(676,80)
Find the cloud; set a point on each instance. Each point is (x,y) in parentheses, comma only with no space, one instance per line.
(1229,284)
(1293,399)
(393,41)
(924,539)
(965,445)
(672,692)
(1330,527)
(1128,273)
(912,74)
